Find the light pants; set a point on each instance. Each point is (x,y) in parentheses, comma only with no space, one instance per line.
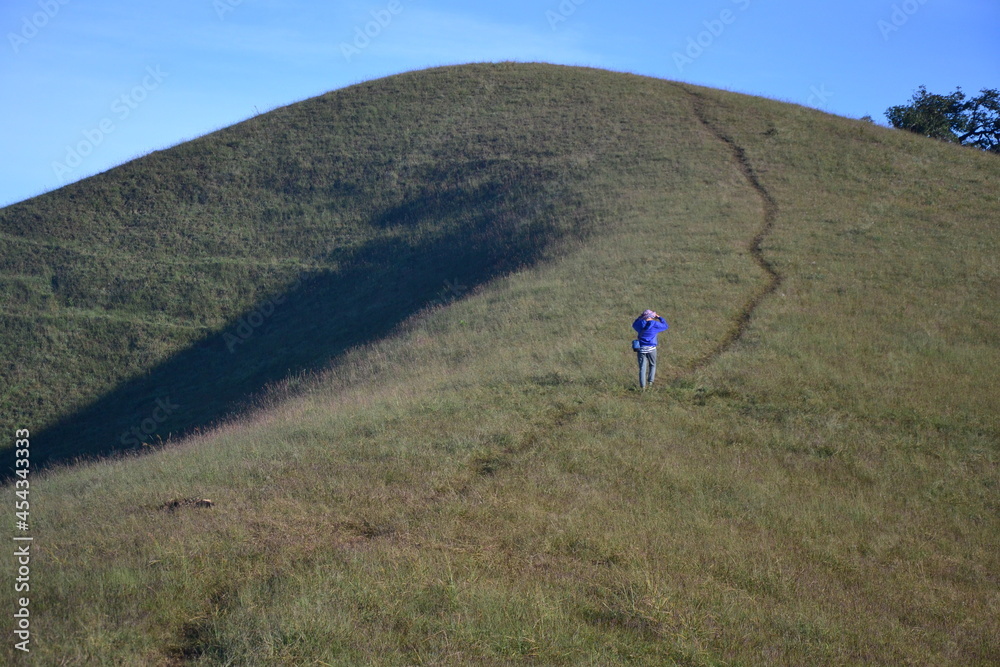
(647,367)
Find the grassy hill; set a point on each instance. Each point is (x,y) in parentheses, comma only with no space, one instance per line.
(157,281)
(424,286)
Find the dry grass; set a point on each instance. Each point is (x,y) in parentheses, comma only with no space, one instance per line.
(488,487)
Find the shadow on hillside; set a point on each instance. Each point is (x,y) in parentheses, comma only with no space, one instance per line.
(303,329)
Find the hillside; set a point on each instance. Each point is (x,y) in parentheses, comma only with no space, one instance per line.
(411,301)
(157,279)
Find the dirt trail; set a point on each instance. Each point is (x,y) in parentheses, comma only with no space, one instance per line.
(770,213)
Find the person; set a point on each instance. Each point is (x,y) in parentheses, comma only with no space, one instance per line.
(648,325)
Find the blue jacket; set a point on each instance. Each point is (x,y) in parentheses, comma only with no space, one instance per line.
(647,330)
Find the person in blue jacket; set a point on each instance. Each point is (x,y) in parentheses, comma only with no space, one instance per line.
(648,325)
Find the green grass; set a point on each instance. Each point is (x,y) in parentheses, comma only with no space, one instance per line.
(130,287)
(813,480)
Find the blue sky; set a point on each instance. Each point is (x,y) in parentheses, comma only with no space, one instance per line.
(89,84)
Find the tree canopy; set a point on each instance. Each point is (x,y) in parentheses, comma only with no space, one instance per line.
(973,121)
